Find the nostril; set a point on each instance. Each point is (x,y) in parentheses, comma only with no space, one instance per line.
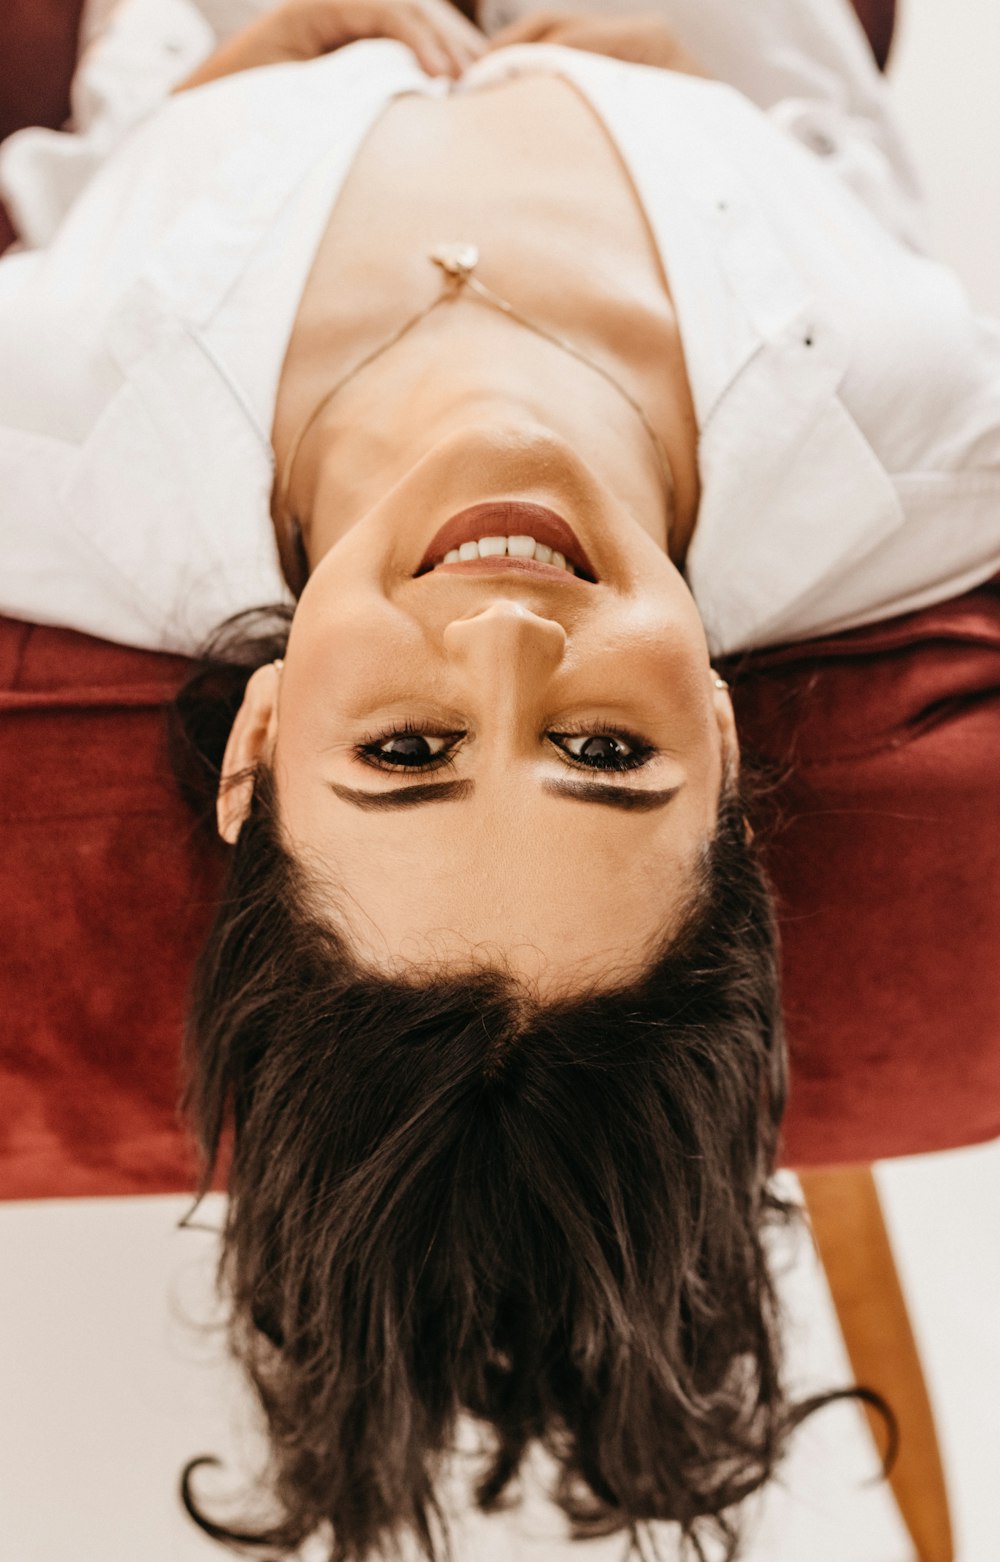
(506,622)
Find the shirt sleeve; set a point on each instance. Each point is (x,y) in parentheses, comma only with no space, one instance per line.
(50,570)
(134,54)
(57,375)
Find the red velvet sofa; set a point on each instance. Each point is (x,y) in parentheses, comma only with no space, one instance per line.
(883,840)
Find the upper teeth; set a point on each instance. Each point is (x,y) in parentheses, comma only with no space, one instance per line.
(515,547)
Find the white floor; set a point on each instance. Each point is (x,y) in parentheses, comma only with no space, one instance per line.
(107,1387)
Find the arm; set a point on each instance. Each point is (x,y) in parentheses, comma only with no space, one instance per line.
(443,40)
(643,38)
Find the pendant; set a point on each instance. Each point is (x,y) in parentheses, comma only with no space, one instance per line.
(457,260)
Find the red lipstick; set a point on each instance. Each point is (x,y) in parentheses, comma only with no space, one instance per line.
(508,518)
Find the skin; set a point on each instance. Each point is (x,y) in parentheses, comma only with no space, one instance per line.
(558,888)
(507,869)
(440,35)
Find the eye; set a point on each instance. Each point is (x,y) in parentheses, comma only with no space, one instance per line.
(419,749)
(408,748)
(601,748)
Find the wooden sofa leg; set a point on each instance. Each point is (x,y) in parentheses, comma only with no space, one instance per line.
(853,1244)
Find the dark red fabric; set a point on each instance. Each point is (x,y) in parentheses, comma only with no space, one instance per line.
(885,849)
(104,895)
(38,41)
(38,50)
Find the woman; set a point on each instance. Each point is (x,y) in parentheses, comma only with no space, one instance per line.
(506,1074)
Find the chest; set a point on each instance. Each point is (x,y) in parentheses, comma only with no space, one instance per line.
(525,170)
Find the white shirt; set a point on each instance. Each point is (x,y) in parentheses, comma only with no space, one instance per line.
(847,398)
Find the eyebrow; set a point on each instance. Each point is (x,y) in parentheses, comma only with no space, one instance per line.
(627,798)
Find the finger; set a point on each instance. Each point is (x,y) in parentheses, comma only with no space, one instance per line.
(533,28)
(466,31)
(436,52)
(458,36)
(445,36)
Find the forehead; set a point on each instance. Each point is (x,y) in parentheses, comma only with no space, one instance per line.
(558,897)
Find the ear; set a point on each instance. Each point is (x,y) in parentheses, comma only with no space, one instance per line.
(726,718)
(250,743)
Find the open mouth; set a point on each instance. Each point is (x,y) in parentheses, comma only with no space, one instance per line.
(510,535)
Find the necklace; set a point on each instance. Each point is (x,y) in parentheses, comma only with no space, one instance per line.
(457,262)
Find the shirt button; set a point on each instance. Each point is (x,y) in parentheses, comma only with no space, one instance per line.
(822,143)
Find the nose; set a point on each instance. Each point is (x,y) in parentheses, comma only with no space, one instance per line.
(505,640)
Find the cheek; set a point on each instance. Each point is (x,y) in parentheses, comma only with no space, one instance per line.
(655,645)
(348,644)
(656,611)
(670,642)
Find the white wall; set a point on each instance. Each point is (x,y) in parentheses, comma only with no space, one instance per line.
(945,75)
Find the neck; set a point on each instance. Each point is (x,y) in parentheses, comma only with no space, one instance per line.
(466,368)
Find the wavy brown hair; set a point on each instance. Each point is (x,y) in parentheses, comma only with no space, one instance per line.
(446,1197)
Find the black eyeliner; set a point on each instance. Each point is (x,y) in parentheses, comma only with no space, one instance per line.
(367,751)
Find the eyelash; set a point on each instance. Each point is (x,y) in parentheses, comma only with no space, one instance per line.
(367,750)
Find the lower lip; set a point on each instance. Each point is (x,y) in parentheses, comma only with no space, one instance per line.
(503,564)
(508,518)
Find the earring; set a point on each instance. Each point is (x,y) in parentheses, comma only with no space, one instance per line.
(278,662)
(720,683)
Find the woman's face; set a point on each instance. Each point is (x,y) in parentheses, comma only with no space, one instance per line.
(481,762)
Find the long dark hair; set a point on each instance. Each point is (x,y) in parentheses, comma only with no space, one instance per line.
(446,1198)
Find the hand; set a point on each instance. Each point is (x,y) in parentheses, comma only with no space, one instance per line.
(444,41)
(643,39)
